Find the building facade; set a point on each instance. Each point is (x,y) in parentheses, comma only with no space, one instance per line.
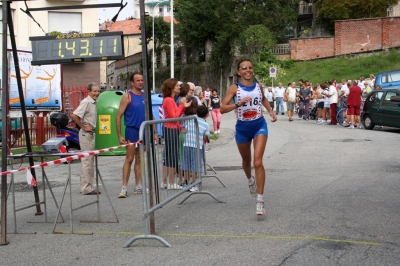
(66,20)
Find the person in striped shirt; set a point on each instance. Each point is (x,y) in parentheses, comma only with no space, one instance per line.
(190,154)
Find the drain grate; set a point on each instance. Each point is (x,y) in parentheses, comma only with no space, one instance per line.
(350,140)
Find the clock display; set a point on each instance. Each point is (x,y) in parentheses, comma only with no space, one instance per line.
(81,47)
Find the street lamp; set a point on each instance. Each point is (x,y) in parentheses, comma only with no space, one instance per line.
(153,56)
(171,5)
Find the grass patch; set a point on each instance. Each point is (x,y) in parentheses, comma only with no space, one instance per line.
(213,136)
(348,67)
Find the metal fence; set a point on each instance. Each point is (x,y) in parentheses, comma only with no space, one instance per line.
(172,168)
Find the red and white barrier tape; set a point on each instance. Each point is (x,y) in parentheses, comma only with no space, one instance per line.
(69,158)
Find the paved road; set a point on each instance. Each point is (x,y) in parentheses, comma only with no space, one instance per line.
(332,199)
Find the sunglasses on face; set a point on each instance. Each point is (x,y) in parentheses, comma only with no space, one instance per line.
(246,67)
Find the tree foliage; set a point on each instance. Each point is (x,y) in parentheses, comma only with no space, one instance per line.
(331,10)
(225,21)
(254,39)
(162,32)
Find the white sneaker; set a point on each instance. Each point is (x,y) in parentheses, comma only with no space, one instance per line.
(253,189)
(351,127)
(163,185)
(174,186)
(123,193)
(137,190)
(194,189)
(260,208)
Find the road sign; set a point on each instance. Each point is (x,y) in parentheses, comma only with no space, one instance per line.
(272,72)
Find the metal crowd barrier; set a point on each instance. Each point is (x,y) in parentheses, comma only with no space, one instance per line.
(167,166)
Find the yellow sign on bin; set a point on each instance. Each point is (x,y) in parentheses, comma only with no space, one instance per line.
(105,124)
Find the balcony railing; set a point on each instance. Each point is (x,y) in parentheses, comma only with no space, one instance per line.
(393,11)
(283,48)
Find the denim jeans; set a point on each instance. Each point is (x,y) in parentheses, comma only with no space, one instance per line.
(279,105)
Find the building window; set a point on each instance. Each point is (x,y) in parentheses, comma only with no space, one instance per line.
(65,22)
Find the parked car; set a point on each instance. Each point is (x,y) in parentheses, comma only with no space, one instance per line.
(15,128)
(382,107)
(388,80)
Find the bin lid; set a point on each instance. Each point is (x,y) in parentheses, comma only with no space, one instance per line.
(156,99)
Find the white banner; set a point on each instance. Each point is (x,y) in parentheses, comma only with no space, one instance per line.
(41,85)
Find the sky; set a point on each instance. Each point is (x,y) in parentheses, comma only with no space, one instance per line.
(109,13)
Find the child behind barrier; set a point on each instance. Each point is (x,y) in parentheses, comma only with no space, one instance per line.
(190,153)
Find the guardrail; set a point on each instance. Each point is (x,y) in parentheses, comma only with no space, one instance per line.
(168,166)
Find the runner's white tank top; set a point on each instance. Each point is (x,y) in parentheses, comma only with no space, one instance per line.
(251,110)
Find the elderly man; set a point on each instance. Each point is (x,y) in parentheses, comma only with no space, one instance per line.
(192,91)
(85,117)
(279,93)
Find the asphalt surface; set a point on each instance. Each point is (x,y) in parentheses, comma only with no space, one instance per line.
(332,198)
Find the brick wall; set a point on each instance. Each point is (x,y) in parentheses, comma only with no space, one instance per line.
(355,36)
(351,36)
(311,48)
(80,74)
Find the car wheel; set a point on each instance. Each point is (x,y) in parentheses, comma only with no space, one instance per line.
(367,122)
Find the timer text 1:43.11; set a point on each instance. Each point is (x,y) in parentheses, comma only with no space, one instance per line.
(54,50)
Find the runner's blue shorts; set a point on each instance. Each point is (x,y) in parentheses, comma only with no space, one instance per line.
(246,131)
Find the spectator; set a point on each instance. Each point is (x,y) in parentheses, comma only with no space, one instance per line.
(193,92)
(372,77)
(367,89)
(133,110)
(171,130)
(320,105)
(333,98)
(304,97)
(190,159)
(279,93)
(327,110)
(290,95)
(202,99)
(353,104)
(215,104)
(269,93)
(207,94)
(85,116)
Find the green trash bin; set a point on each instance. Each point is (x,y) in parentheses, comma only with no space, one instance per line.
(106,134)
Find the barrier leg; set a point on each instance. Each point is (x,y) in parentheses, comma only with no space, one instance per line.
(159,238)
(201,192)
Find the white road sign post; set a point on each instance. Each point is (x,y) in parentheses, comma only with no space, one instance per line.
(272,74)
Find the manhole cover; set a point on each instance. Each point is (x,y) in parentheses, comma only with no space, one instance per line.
(350,140)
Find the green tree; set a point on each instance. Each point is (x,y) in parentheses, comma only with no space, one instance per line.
(254,39)
(331,10)
(224,21)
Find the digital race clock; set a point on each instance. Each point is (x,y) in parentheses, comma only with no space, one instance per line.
(77,47)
